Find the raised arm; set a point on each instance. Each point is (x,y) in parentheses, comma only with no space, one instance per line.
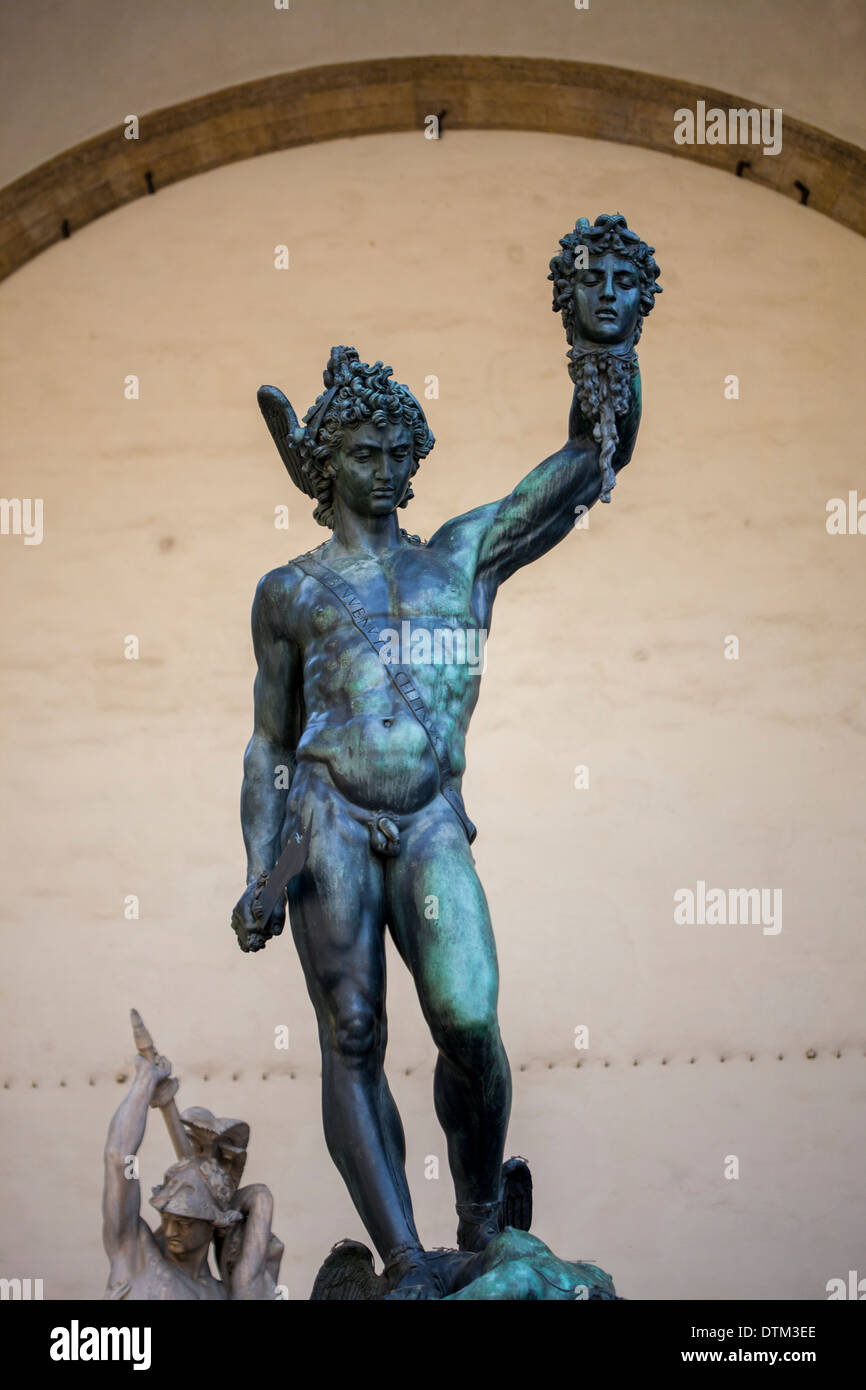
(543,507)
(121,1192)
(276,729)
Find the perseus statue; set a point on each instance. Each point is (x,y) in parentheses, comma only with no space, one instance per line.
(368,673)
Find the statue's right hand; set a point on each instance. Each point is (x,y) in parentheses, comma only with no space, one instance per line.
(159,1074)
(251,932)
(166,1086)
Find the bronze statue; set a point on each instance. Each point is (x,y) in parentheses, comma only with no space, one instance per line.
(513,1266)
(604,283)
(199,1200)
(366,683)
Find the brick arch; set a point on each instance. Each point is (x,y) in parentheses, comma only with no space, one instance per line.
(393,94)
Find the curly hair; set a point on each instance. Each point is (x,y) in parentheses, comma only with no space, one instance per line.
(610,232)
(602,377)
(356,392)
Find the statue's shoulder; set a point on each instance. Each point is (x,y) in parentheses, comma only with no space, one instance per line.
(460,536)
(281,584)
(277,604)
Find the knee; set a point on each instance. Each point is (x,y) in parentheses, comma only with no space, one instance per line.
(357,1035)
(468,1036)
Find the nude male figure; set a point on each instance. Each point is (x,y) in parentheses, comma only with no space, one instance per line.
(388,831)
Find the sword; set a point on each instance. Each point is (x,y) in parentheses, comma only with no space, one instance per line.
(145,1045)
(289,864)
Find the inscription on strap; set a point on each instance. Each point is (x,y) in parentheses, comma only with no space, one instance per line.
(399,678)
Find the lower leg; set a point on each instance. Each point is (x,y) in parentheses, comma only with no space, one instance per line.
(365,1139)
(472,1091)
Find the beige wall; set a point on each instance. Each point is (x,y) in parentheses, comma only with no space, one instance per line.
(123,777)
(71,70)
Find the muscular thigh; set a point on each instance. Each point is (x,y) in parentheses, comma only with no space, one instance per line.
(336,910)
(440,921)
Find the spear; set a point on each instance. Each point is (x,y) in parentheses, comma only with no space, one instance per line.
(145,1045)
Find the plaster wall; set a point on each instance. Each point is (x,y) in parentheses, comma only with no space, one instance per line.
(122,777)
(131,57)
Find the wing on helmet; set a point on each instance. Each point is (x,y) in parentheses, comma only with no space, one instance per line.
(515,1193)
(286,433)
(348,1274)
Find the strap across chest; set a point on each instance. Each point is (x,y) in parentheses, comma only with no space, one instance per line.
(399,677)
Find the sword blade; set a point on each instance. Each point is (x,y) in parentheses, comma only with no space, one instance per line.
(289,864)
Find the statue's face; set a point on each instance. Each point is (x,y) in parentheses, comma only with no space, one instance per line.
(606,300)
(373,468)
(184,1234)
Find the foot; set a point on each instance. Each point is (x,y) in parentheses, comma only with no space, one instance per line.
(478,1223)
(411,1276)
